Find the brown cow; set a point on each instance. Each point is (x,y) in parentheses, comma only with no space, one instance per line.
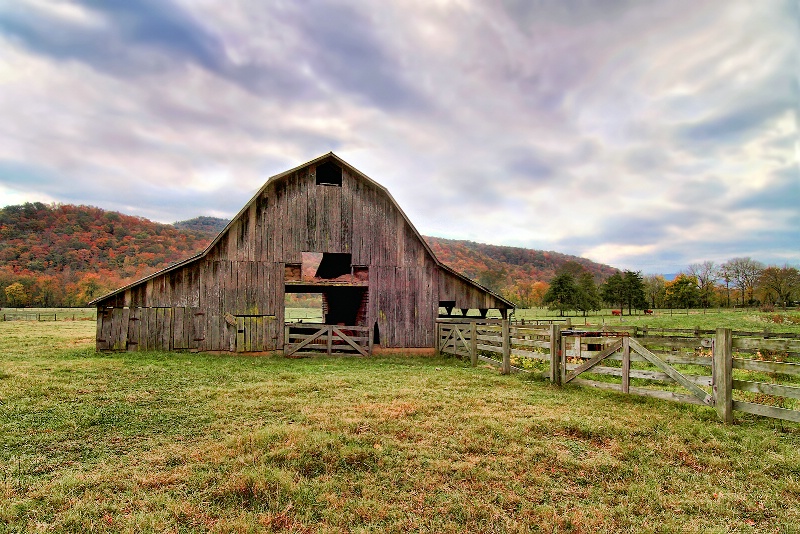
(648,312)
(616,312)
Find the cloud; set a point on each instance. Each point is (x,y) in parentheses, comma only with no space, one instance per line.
(647,135)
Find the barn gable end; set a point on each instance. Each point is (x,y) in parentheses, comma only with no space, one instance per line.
(375,270)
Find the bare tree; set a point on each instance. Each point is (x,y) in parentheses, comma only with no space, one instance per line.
(707,274)
(744,274)
(654,290)
(726,276)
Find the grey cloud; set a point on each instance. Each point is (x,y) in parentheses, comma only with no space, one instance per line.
(348,53)
(782,193)
(113,48)
(732,125)
(531,166)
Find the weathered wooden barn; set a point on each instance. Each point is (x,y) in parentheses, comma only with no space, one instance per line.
(322,228)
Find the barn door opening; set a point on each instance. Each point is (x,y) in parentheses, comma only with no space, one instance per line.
(345,305)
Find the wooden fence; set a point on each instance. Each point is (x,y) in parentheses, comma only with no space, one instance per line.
(29,317)
(307,339)
(728,371)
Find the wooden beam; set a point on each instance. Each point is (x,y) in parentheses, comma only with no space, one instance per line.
(602,355)
(673,373)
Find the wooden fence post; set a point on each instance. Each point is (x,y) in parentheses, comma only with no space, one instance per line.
(473,350)
(626,364)
(506,369)
(562,357)
(723,375)
(555,354)
(438,338)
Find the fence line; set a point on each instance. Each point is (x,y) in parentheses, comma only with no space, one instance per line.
(698,366)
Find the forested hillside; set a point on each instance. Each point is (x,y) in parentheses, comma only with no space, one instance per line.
(520,274)
(204,225)
(66,255)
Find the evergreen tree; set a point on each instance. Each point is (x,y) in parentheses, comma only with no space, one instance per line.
(562,293)
(588,296)
(613,291)
(634,290)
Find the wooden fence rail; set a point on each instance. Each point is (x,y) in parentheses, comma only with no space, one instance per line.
(698,367)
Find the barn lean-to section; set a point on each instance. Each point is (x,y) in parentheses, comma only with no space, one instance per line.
(374,271)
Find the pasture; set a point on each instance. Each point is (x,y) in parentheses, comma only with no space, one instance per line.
(225,443)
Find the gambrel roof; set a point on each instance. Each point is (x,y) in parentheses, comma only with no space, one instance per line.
(277,178)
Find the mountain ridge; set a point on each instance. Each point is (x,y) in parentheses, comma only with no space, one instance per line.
(66,255)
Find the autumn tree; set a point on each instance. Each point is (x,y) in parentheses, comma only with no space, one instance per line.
(778,285)
(16,295)
(527,294)
(682,292)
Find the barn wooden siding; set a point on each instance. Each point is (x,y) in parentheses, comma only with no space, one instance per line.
(231,297)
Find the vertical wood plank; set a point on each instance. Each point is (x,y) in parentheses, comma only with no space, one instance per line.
(723,374)
(506,347)
(626,364)
(473,335)
(555,354)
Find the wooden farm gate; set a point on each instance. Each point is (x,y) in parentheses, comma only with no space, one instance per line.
(654,358)
(750,372)
(620,347)
(308,339)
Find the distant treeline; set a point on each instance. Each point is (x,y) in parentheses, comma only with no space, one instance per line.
(67,255)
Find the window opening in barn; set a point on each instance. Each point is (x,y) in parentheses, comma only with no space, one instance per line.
(302,307)
(329,173)
(334,265)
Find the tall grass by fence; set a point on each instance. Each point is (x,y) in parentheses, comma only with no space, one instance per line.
(751,372)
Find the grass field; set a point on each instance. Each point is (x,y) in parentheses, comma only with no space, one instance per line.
(194,442)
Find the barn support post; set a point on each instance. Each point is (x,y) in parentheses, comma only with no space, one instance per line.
(438,338)
(473,337)
(506,369)
(555,354)
(723,375)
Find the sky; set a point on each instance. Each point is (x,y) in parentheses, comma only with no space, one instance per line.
(647,135)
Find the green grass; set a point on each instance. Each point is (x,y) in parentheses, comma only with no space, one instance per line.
(224,443)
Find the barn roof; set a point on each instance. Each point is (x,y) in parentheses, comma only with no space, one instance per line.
(277,177)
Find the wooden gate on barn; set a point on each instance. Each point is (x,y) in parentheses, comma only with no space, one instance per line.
(307,339)
(153,328)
